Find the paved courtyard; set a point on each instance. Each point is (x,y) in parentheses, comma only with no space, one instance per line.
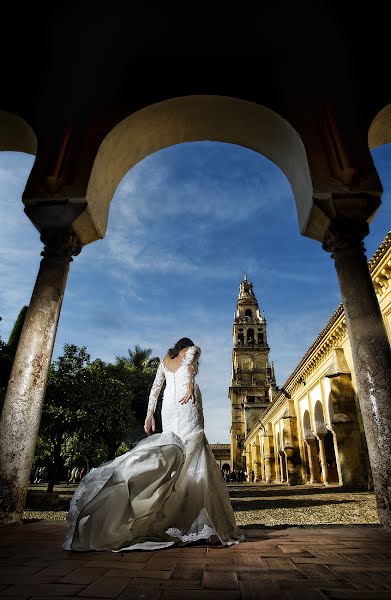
(290,563)
(254,504)
(324,561)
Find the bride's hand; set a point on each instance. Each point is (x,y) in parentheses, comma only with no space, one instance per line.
(149,422)
(188,396)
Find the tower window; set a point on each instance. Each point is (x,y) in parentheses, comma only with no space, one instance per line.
(248,313)
(260,338)
(250,337)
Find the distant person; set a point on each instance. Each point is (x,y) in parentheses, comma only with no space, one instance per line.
(74,474)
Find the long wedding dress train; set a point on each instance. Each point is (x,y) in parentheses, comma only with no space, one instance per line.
(167,490)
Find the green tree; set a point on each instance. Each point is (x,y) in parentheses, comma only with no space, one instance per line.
(63,409)
(8,351)
(79,449)
(138,371)
(93,410)
(14,337)
(138,358)
(5,369)
(109,415)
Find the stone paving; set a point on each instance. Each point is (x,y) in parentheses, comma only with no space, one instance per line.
(342,562)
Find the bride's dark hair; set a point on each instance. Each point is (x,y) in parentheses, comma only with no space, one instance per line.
(182,343)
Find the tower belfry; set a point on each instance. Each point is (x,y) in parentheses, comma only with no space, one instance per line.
(253,381)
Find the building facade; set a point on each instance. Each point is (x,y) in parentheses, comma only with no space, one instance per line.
(222,454)
(252,382)
(312,431)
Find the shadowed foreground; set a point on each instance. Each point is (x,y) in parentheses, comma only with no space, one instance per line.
(313,561)
(288,563)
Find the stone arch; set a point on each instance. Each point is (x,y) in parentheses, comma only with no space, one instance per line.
(16,135)
(248,313)
(379,132)
(189,119)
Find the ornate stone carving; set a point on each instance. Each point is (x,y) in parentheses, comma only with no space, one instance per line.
(344,234)
(60,244)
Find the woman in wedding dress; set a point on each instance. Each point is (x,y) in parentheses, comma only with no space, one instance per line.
(168,489)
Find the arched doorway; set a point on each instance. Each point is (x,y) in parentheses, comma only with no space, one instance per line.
(329,447)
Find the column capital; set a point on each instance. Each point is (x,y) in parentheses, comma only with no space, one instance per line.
(54,220)
(60,244)
(345,234)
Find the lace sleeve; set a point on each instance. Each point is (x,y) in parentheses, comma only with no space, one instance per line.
(156,387)
(190,361)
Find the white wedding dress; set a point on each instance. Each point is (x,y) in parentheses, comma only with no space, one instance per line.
(167,490)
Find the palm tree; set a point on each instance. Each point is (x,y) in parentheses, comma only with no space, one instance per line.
(138,358)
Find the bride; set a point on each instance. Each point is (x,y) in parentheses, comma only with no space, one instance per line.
(168,489)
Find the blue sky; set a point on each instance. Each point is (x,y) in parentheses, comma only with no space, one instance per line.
(185,223)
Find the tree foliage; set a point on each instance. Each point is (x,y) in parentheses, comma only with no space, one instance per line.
(6,360)
(93,410)
(8,351)
(14,337)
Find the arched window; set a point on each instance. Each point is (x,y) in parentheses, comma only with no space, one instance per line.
(250,337)
(248,313)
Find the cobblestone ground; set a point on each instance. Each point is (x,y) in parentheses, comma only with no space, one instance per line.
(257,505)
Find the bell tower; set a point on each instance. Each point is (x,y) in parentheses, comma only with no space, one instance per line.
(253,382)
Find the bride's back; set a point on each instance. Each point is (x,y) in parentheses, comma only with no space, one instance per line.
(172,364)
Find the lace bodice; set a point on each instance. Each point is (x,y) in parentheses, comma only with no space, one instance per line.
(174,379)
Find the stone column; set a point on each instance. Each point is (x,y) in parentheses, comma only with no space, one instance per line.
(292,451)
(25,395)
(268,455)
(313,460)
(307,463)
(370,350)
(268,469)
(351,455)
(323,461)
(282,463)
(293,465)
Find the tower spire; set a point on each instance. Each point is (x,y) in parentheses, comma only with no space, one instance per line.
(252,380)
